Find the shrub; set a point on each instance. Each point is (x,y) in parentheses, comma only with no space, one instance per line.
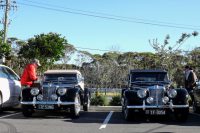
(99,100)
(115,101)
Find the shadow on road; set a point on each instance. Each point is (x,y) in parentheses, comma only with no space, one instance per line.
(117,118)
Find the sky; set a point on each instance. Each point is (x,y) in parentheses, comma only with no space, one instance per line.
(121,25)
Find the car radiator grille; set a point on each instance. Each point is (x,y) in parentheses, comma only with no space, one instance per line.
(47,92)
(157,95)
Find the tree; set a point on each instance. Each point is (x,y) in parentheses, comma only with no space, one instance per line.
(169,57)
(48,48)
(5,48)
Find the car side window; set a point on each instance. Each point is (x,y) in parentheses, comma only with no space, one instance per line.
(3,74)
(11,74)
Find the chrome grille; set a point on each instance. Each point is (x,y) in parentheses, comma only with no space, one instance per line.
(47,92)
(157,92)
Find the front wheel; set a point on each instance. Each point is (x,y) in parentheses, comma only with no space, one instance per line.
(76,108)
(181,114)
(27,111)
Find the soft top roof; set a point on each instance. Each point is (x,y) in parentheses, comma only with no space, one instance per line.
(148,70)
(62,72)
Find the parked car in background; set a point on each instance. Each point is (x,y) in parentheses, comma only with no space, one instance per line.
(150,93)
(10,88)
(59,90)
(196,100)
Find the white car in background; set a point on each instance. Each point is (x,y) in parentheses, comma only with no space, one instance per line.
(10,88)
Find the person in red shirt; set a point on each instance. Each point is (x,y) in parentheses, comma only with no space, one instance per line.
(29,74)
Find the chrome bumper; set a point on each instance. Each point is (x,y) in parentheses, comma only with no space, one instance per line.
(170,106)
(35,102)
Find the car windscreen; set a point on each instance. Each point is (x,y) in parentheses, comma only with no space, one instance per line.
(149,77)
(69,78)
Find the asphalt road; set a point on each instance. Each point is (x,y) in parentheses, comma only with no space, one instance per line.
(97,120)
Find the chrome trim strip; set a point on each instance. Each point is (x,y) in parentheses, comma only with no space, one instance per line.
(159,106)
(49,103)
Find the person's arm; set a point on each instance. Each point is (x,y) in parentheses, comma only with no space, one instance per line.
(32,73)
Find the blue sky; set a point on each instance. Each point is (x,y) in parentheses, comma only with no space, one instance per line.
(107,34)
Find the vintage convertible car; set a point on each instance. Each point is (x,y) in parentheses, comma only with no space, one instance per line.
(196,100)
(150,93)
(59,90)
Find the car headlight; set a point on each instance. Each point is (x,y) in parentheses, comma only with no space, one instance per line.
(172,93)
(165,100)
(40,97)
(54,97)
(35,91)
(62,91)
(149,100)
(142,93)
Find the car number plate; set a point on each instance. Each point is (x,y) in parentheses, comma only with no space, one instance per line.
(155,112)
(45,106)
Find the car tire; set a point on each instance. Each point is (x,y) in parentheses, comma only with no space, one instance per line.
(126,111)
(1,102)
(181,114)
(27,111)
(75,109)
(196,109)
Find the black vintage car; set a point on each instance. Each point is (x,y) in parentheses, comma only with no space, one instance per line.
(150,93)
(59,90)
(196,100)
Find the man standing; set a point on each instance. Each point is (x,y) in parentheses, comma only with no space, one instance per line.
(190,80)
(29,74)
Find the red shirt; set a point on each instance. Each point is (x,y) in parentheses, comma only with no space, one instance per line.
(29,75)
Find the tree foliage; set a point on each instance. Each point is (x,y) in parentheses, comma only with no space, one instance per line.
(5,48)
(48,48)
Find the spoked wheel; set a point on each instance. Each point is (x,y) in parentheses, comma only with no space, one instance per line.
(76,108)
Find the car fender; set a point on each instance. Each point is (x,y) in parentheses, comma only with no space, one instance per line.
(182,97)
(4,88)
(70,95)
(26,95)
(131,96)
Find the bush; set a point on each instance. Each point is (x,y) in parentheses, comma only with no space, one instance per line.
(99,100)
(115,101)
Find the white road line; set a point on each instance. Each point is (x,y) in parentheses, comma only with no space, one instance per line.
(10,115)
(106,120)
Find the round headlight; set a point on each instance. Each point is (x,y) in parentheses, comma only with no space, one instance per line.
(54,97)
(172,93)
(34,91)
(62,91)
(165,100)
(149,100)
(142,93)
(40,97)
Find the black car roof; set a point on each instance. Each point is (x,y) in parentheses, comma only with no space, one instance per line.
(147,70)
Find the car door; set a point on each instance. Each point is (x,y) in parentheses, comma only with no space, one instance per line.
(15,86)
(4,87)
